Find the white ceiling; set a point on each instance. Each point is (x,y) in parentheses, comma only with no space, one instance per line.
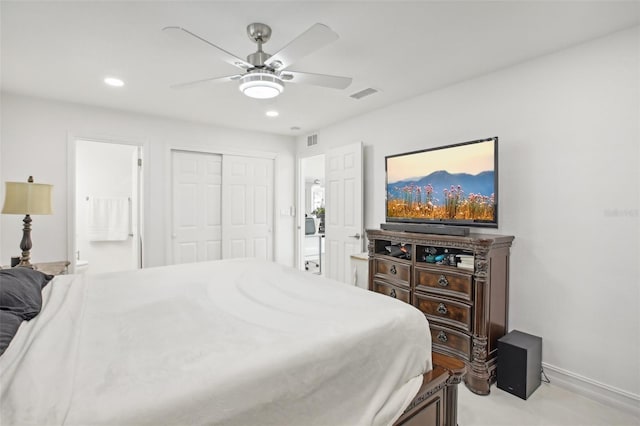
(63,50)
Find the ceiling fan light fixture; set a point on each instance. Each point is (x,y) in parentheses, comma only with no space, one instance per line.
(261,85)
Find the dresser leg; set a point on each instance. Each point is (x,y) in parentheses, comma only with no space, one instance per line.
(478,379)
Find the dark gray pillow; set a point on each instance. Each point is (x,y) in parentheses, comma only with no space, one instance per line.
(9,323)
(21,291)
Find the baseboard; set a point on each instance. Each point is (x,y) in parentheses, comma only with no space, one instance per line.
(600,392)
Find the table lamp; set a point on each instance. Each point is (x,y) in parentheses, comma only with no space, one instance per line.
(27,198)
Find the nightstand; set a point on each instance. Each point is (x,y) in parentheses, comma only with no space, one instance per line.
(49,268)
(52,268)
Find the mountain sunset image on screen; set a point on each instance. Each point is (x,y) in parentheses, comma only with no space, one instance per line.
(454,184)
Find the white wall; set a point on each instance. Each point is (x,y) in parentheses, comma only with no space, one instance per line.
(568,125)
(34,141)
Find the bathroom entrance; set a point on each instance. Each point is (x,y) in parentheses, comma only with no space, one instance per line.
(107,206)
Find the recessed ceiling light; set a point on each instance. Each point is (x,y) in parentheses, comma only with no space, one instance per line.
(115,82)
(272,113)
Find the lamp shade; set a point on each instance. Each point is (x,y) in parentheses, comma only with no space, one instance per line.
(27,198)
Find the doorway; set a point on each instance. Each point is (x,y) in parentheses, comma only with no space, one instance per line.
(341,236)
(312,203)
(108,186)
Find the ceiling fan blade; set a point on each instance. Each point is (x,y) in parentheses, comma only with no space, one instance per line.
(190,84)
(313,39)
(228,57)
(324,80)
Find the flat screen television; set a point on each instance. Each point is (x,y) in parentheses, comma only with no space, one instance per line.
(448,185)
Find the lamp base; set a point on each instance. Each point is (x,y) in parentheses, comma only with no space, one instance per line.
(25,244)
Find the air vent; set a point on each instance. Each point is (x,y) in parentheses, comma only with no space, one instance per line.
(312,140)
(366,92)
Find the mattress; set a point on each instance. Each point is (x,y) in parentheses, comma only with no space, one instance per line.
(233,342)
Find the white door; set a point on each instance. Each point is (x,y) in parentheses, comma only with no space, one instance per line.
(343,215)
(197,227)
(247,216)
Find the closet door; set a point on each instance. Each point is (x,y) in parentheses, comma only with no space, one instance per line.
(197,225)
(247,214)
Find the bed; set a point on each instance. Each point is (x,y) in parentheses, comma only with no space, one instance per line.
(232,342)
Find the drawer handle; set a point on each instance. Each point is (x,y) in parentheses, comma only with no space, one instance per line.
(442,336)
(393,293)
(393,270)
(442,308)
(442,281)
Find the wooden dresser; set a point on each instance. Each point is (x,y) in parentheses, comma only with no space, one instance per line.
(467,307)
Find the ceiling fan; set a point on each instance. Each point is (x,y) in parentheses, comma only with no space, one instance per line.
(264,74)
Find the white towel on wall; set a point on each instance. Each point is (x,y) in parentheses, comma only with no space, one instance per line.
(108,219)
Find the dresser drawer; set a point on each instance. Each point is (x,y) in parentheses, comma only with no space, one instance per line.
(394,271)
(444,282)
(436,308)
(391,290)
(449,341)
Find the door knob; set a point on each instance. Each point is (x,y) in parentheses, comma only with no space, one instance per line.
(357,236)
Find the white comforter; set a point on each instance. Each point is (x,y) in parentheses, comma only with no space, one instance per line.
(238,342)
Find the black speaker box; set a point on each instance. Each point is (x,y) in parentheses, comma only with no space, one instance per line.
(519,363)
